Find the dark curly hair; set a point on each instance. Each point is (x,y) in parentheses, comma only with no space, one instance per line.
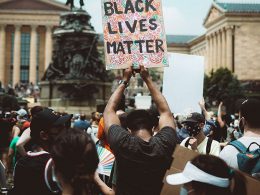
(76,160)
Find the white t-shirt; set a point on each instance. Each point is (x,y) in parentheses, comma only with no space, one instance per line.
(229,153)
(93,130)
(214,149)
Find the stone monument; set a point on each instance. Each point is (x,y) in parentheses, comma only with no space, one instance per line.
(76,76)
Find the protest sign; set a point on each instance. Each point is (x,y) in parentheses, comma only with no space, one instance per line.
(183,83)
(181,156)
(143,102)
(134,33)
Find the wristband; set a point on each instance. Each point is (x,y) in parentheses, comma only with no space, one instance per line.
(123,82)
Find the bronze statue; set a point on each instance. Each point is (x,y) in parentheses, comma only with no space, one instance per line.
(71,3)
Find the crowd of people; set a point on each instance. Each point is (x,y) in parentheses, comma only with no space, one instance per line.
(22,90)
(46,152)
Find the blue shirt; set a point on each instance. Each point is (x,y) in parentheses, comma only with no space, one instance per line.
(80,124)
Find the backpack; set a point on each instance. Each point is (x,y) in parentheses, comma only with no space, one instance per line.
(208,147)
(248,161)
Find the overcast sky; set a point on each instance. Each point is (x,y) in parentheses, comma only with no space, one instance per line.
(181,17)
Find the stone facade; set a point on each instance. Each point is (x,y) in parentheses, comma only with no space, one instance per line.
(37,18)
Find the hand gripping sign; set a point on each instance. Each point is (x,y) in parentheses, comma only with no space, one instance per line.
(134,33)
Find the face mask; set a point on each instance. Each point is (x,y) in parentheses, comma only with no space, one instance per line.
(184,191)
(193,129)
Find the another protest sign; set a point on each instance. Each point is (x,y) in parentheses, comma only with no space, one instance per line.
(134,33)
(183,83)
(143,102)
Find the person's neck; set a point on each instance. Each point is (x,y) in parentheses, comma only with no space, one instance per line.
(143,134)
(200,137)
(252,132)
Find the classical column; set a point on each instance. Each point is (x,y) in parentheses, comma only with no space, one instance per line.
(17,55)
(219,50)
(211,52)
(214,52)
(207,55)
(223,53)
(33,55)
(229,48)
(2,54)
(48,46)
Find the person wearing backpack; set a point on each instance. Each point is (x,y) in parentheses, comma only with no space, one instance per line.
(244,153)
(197,140)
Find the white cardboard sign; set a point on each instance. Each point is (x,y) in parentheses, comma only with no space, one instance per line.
(183,83)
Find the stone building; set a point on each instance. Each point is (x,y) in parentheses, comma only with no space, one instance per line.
(26,38)
(231,40)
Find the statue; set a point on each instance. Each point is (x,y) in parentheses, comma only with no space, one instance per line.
(71,3)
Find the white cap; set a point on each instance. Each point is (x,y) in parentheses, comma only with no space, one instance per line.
(193,173)
(22,112)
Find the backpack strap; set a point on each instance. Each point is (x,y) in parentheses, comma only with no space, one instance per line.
(209,142)
(239,146)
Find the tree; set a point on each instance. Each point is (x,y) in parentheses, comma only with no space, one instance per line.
(222,85)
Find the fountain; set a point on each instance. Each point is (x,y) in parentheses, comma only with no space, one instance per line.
(76,76)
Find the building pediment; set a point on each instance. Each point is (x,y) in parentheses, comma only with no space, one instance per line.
(35,5)
(214,13)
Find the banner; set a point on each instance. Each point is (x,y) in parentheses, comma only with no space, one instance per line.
(134,33)
(183,83)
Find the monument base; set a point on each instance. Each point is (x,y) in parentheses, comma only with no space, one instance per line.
(91,95)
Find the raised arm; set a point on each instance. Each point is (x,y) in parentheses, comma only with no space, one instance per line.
(166,118)
(25,138)
(110,116)
(203,109)
(220,121)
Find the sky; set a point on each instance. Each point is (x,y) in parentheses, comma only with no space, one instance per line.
(181,17)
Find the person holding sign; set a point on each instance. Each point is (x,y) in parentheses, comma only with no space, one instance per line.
(142,159)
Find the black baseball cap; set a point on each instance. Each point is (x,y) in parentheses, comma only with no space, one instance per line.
(45,119)
(194,117)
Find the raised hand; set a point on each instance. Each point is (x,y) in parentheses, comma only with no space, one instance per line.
(144,73)
(128,74)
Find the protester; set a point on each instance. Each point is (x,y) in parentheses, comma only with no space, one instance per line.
(29,170)
(81,123)
(75,162)
(198,141)
(95,118)
(21,124)
(142,159)
(25,138)
(208,175)
(6,124)
(249,122)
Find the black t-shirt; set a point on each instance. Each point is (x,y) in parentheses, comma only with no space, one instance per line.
(29,175)
(5,130)
(141,165)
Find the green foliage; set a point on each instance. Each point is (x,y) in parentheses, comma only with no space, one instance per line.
(222,85)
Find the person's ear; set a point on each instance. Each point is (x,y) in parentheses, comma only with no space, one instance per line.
(44,136)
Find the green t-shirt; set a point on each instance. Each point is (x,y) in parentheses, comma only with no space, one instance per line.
(13,146)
